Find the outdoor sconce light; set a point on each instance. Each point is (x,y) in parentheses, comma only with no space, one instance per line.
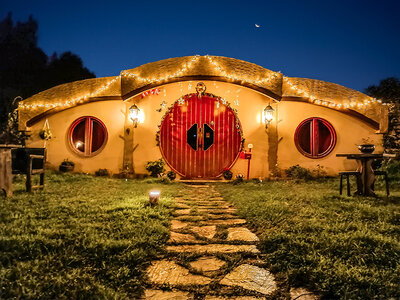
(134,114)
(154,197)
(268,115)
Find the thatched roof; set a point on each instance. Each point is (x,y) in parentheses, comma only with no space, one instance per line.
(134,81)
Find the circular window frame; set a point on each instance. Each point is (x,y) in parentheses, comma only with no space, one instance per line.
(331,145)
(71,129)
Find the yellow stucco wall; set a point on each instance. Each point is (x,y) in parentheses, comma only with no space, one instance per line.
(249,105)
(349,131)
(58,148)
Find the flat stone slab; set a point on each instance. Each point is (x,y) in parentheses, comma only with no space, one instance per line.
(227,222)
(166,295)
(220,216)
(231,298)
(211,203)
(214,248)
(198,186)
(216,198)
(302,294)
(189,218)
(207,264)
(251,278)
(182,238)
(181,205)
(182,211)
(213,207)
(217,210)
(168,272)
(241,234)
(175,224)
(205,231)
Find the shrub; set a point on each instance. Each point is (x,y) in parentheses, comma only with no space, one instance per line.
(165,180)
(298,172)
(102,172)
(319,172)
(238,179)
(171,175)
(155,167)
(392,167)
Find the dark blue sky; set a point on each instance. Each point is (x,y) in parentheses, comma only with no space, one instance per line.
(353,43)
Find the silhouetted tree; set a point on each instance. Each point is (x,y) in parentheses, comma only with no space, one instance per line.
(26,70)
(388,91)
(66,68)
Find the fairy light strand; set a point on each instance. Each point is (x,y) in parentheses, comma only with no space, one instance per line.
(184,68)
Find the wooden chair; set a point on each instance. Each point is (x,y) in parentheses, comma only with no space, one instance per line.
(348,174)
(383,173)
(29,161)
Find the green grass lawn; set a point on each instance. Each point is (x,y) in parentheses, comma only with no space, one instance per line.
(82,237)
(340,247)
(91,237)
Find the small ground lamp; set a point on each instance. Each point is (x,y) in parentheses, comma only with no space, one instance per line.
(154,197)
(134,114)
(268,115)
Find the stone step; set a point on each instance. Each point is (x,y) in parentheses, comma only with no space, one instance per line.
(224,222)
(241,234)
(214,248)
(251,278)
(217,210)
(169,273)
(153,294)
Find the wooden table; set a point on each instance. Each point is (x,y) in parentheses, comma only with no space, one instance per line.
(364,162)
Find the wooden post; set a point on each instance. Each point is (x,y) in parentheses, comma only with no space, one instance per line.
(28,182)
(248,165)
(127,161)
(273,142)
(5,172)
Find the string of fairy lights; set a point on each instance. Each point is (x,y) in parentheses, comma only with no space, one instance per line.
(184,68)
(313,99)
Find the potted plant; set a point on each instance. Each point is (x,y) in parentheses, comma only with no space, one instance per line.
(171,175)
(155,167)
(227,174)
(67,166)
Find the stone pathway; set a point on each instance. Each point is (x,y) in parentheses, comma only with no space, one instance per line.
(211,255)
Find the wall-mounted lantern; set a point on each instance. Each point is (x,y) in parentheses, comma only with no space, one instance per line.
(134,114)
(268,115)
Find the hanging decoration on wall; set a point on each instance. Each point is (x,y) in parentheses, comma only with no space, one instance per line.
(155,91)
(162,106)
(46,134)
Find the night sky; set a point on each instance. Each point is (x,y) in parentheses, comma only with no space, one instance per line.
(353,43)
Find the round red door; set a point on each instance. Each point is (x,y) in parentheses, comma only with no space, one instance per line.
(200,137)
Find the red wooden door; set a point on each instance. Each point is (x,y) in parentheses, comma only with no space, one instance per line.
(200,137)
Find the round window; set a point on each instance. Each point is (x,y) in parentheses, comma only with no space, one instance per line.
(315,137)
(87,136)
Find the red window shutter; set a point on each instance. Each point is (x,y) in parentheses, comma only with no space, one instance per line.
(315,137)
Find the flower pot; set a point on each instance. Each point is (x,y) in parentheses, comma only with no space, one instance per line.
(366,148)
(66,168)
(227,175)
